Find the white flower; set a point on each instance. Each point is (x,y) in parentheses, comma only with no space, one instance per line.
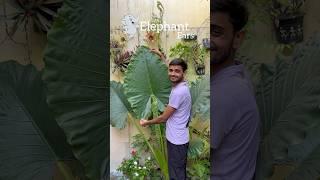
(144,167)
(135,163)
(136,174)
(149,158)
(139,167)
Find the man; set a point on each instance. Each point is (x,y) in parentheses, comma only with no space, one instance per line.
(235,118)
(176,116)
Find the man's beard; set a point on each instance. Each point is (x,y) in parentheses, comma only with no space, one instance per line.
(178,80)
(223,57)
(226,54)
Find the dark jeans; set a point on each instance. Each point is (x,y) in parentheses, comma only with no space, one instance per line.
(177,161)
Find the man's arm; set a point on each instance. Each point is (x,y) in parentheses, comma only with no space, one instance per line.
(160,119)
(161,55)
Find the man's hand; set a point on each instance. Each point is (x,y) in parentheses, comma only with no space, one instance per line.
(159,53)
(168,111)
(143,122)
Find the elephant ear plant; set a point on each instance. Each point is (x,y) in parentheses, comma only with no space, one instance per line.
(31,142)
(288,96)
(75,76)
(144,94)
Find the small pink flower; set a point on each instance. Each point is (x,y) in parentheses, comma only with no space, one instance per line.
(133,152)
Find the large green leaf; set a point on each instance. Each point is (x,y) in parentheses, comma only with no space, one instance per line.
(30,140)
(120,106)
(145,78)
(288,96)
(200,93)
(196,147)
(307,163)
(75,74)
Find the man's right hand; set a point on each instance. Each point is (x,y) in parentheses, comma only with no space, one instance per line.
(159,53)
(143,122)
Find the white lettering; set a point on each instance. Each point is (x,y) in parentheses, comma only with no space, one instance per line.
(142,26)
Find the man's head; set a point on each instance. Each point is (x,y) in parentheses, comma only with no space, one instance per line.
(177,68)
(228,17)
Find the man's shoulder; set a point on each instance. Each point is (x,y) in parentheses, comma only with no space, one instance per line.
(233,89)
(181,90)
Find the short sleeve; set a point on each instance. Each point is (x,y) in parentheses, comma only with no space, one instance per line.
(175,99)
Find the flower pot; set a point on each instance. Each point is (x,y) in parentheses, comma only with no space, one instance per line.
(200,69)
(289,29)
(206,43)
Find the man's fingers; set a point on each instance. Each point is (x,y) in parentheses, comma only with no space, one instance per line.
(142,122)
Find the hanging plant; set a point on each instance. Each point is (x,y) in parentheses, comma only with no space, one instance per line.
(153,38)
(191,50)
(40,13)
(118,55)
(199,55)
(122,60)
(288,94)
(206,43)
(287,16)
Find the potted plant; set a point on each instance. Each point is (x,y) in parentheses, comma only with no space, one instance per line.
(40,13)
(153,37)
(191,50)
(119,56)
(206,43)
(199,56)
(288,20)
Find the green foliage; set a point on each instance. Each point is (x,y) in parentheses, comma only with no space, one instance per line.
(139,143)
(182,50)
(147,88)
(75,76)
(200,95)
(147,92)
(199,169)
(288,96)
(120,105)
(190,51)
(199,150)
(145,80)
(137,168)
(32,143)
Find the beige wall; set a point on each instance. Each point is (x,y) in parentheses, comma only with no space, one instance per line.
(193,12)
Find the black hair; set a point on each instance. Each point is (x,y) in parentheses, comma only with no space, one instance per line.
(236,9)
(180,62)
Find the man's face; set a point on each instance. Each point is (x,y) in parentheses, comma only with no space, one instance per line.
(222,38)
(175,73)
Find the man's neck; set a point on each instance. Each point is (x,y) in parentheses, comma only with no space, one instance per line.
(218,67)
(175,84)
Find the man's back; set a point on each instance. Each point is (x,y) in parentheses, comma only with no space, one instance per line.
(235,125)
(176,130)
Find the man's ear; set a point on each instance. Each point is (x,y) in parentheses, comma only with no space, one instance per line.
(239,37)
